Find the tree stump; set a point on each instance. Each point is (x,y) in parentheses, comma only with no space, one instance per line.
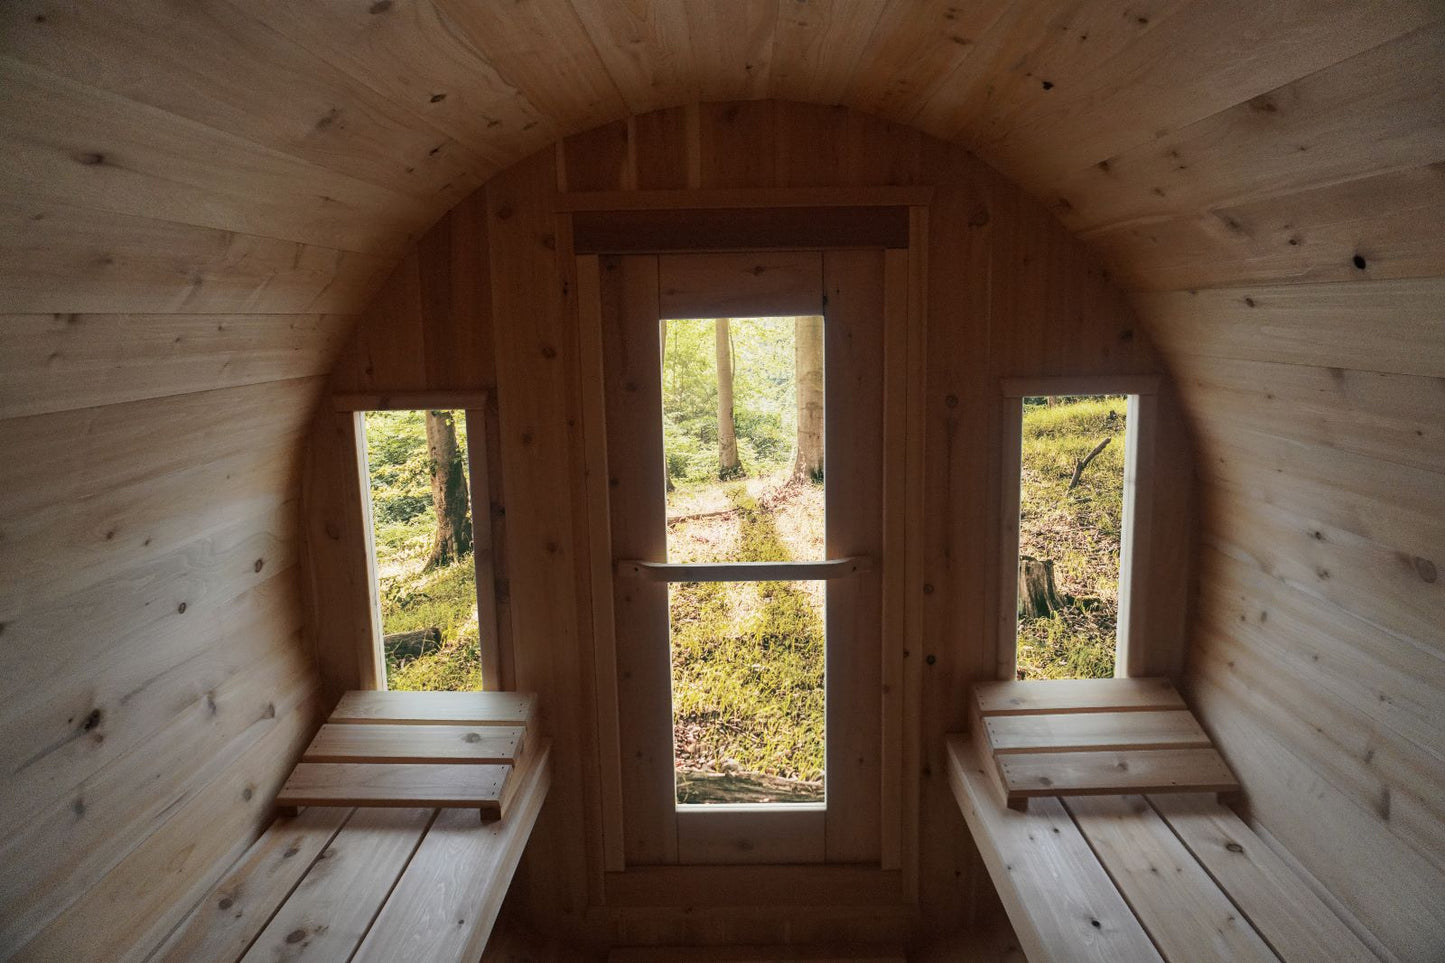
(412,645)
(1038,598)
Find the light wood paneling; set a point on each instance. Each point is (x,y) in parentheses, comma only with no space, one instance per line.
(1015,297)
(227,158)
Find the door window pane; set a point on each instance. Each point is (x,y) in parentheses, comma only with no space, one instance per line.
(748,691)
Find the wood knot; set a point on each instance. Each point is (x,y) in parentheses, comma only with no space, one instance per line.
(1426,570)
(296,936)
(260,564)
(92,721)
(181,609)
(1234,847)
(226,903)
(472,737)
(380,6)
(93,159)
(438,98)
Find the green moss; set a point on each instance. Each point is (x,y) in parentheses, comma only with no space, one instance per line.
(1078,529)
(748,665)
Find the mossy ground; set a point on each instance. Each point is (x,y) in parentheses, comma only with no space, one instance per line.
(1079,530)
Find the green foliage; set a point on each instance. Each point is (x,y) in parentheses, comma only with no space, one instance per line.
(403,523)
(748,663)
(764,396)
(1079,530)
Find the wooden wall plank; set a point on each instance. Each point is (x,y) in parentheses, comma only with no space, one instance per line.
(1306,237)
(413,55)
(1369,114)
(221,67)
(57,258)
(139,160)
(60,362)
(130,908)
(1330,325)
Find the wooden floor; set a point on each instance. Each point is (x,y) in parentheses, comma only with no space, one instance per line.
(367,884)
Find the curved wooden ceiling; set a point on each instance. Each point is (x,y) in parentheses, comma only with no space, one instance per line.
(1162,130)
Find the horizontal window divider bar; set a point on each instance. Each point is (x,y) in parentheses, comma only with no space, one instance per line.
(745,571)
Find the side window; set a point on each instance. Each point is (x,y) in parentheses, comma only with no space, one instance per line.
(428,547)
(1076,488)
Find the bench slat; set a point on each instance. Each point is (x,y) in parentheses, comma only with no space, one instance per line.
(435,708)
(415,744)
(1186,914)
(236,909)
(1027,775)
(446,902)
(329,913)
(1076,695)
(1290,917)
(1062,904)
(372,784)
(1082,731)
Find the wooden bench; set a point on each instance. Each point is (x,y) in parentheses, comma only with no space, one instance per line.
(1137,876)
(389,879)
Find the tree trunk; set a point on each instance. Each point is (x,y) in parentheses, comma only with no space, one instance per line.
(1037,596)
(808,359)
(728,465)
(453,537)
(662,361)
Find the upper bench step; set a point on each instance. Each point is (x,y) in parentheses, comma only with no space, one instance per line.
(435,708)
(1076,695)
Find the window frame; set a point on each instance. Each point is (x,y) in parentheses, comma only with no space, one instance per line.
(1141,420)
(717,834)
(473,405)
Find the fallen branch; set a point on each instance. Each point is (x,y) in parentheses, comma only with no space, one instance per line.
(1081,465)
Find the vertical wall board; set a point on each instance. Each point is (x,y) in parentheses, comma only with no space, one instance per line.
(853,283)
(539,428)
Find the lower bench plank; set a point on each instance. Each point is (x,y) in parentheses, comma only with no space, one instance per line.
(1286,912)
(496,745)
(462,786)
(225,923)
(445,903)
(435,708)
(1031,774)
(1061,903)
(329,913)
(1082,731)
(1187,915)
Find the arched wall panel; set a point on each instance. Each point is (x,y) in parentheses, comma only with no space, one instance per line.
(200,197)
(488,301)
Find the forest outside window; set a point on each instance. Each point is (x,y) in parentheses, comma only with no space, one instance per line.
(743,431)
(1074,469)
(435,618)
(745,477)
